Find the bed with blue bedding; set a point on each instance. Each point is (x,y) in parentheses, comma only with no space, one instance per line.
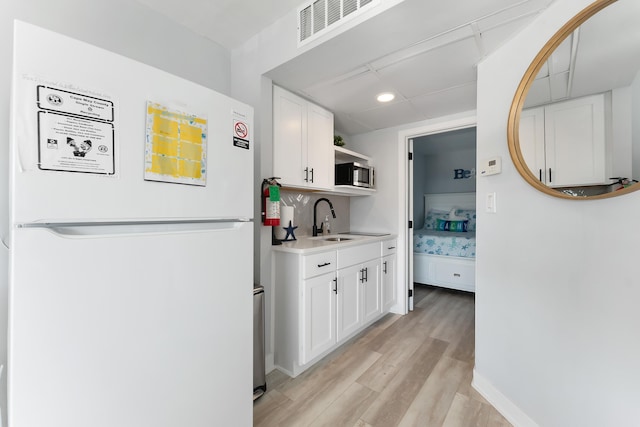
(445,243)
(444,249)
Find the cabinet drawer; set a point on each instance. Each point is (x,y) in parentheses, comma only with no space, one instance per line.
(358,254)
(389,247)
(453,273)
(320,263)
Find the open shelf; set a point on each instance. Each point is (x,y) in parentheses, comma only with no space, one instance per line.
(350,190)
(343,155)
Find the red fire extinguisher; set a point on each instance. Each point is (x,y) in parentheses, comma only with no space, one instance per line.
(270,202)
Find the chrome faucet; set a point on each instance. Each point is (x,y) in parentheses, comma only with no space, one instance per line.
(315,206)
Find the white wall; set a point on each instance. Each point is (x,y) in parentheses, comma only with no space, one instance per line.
(435,174)
(557,283)
(440,172)
(121,26)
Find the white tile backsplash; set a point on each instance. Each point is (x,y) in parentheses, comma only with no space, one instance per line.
(303,211)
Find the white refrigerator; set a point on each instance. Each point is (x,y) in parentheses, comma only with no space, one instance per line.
(130,269)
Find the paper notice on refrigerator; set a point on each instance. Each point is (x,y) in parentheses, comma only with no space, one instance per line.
(75,144)
(176,146)
(74,103)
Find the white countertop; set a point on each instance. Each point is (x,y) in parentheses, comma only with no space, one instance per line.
(308,244)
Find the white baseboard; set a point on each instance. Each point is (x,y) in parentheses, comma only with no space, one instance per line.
(507,408)
(269,364)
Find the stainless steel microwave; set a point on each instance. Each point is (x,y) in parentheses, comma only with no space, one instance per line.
(355,174)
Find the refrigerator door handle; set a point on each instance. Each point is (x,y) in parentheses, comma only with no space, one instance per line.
(92,230)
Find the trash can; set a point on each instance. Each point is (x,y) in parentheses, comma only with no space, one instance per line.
(259,377)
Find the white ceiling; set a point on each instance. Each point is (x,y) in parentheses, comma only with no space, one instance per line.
(426,54)
(425,51)
(227,22)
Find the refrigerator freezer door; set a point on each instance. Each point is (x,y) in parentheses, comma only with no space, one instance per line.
(144,329)
(40,194)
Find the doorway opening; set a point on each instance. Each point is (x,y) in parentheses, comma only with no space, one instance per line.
(441,204)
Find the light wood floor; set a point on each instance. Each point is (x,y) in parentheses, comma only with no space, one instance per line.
(412,370)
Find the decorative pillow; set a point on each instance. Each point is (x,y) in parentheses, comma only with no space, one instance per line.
(446,225)
(469,214)
(430,219)
(453,217)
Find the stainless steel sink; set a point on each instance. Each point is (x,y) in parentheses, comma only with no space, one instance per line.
(337,239)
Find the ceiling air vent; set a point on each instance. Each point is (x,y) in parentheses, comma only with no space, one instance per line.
(318,16)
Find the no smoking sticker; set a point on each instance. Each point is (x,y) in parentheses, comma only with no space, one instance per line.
(241,136)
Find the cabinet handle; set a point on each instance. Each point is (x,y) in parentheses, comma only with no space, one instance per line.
(335,288)
(384,264)
(391,247)
(311,174)
(306,174)
(456,274)
(366,274)
(361,275)
(540,174)
(550,180)
(324,265)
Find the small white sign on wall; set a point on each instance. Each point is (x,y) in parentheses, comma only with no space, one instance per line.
(491,166)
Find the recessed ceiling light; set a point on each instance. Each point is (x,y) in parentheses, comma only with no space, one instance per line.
(385,97)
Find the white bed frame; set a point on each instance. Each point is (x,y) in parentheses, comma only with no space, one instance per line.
(446,271)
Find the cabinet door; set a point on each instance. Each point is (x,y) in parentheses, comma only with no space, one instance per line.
(320,159)
(371,295)
(318,327)
(532,141)
(388,279)
(575,142)
(348,301)
(289,136)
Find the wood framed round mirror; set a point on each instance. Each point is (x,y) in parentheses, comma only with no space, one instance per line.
(572,130)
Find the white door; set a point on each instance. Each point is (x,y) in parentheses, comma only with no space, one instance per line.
(532,142)
(409,250)
(320,147)
(319,327)
(348,301)
(371,296)
(111,326)
(575,142)
(290,137)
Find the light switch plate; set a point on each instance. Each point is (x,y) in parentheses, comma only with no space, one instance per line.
(491,166)
(491,203)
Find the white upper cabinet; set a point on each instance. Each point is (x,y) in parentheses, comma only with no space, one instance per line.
(320,146)
(564,144)
(302,142)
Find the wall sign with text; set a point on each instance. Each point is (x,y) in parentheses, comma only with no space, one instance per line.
(464,173)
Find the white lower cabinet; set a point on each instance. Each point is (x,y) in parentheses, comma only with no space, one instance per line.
(349,296)
(359,300)
(321,300)
(371,295)
(319,316)
(358,297)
